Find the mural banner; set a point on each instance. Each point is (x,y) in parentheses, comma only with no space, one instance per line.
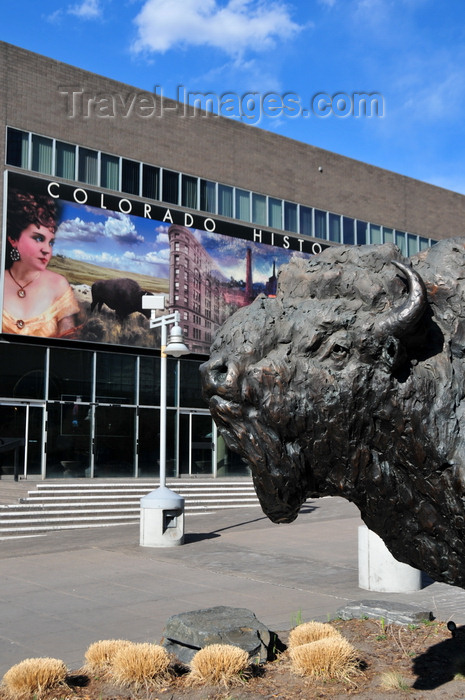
(77,263)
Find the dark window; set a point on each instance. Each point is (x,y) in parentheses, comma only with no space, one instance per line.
(388,235)
(170,187)
(17,148)
(115,378)
(207,196)
(306,221)
(65,165)
(130,176)
(109,171)
(191,394)
(362,232)
(150,182)
(70,374)
(42,154)
(243,205)
(348,230)
(149,386)
(275,213)
(401,242)
(23,371)
(424,243)
(225,200)
(375,234)
(290,216)
(88,166)
(412,244)
(189,192)
(320,224)
(259,209)
(335,228)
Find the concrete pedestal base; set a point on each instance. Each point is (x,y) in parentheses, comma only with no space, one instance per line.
(161,519)
(379,571)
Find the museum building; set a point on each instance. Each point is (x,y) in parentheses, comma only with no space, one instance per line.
(153,197)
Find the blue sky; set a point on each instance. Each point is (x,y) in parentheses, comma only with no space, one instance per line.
(410,52)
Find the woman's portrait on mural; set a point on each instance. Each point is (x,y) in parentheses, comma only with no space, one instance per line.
(36,300)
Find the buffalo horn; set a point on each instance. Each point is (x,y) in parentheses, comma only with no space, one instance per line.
(398,321)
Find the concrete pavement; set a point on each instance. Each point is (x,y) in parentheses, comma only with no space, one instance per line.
(64,590)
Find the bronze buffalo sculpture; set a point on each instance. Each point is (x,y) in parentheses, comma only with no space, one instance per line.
(351,383)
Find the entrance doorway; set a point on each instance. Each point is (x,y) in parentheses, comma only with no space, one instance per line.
(196,444)
(21,440)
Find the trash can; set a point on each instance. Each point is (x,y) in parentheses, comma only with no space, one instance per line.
(161,518)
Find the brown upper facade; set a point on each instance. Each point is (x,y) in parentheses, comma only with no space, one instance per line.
(52,99)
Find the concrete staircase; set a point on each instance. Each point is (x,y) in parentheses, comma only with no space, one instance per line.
(67,506)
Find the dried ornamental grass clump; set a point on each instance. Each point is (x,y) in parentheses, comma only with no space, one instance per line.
(333,657)
(311,632)
(392,680)
(219,663)
(32,677)
(99,656)
(140,665)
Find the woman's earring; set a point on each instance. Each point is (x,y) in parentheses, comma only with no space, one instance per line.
(14,255)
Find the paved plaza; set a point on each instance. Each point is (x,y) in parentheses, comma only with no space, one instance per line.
(64,590)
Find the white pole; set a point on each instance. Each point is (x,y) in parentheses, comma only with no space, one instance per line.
(162,510)
(163,372)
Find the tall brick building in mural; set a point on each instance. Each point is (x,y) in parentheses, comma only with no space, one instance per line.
(195,291)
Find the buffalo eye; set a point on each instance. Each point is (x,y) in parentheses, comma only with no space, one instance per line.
(339,351)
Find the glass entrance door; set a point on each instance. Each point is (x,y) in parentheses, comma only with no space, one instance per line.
(21,439)
(114,452)
(196,444)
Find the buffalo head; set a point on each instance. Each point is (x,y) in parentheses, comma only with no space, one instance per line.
(346,384)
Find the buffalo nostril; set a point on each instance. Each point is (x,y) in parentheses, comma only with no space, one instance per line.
(220,373)
(214,374)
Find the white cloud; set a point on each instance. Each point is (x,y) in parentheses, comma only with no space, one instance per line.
(77,229)
(103,258)
(234,27)
(374,13)
(55,17)
(121,229)
(162,237)
(439,98)
(160,256)
(87,9)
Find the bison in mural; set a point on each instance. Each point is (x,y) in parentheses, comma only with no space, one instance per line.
(122,295)
(351,383)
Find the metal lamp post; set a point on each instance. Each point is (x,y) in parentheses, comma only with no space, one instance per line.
(162,510)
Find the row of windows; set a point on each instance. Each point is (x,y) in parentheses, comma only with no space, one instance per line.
(52,157)
(57,374)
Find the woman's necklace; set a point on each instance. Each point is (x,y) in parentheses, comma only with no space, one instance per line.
(22,287)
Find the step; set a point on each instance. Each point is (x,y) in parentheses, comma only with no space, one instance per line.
(142,485)
(28,510)
(55,506)
(134,490)
(47,524)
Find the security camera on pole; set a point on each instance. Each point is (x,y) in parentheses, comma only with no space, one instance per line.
(162,510)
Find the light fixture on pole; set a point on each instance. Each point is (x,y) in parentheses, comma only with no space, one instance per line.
(162,510)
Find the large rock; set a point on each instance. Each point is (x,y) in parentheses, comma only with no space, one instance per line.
(188,632)
(390,611)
